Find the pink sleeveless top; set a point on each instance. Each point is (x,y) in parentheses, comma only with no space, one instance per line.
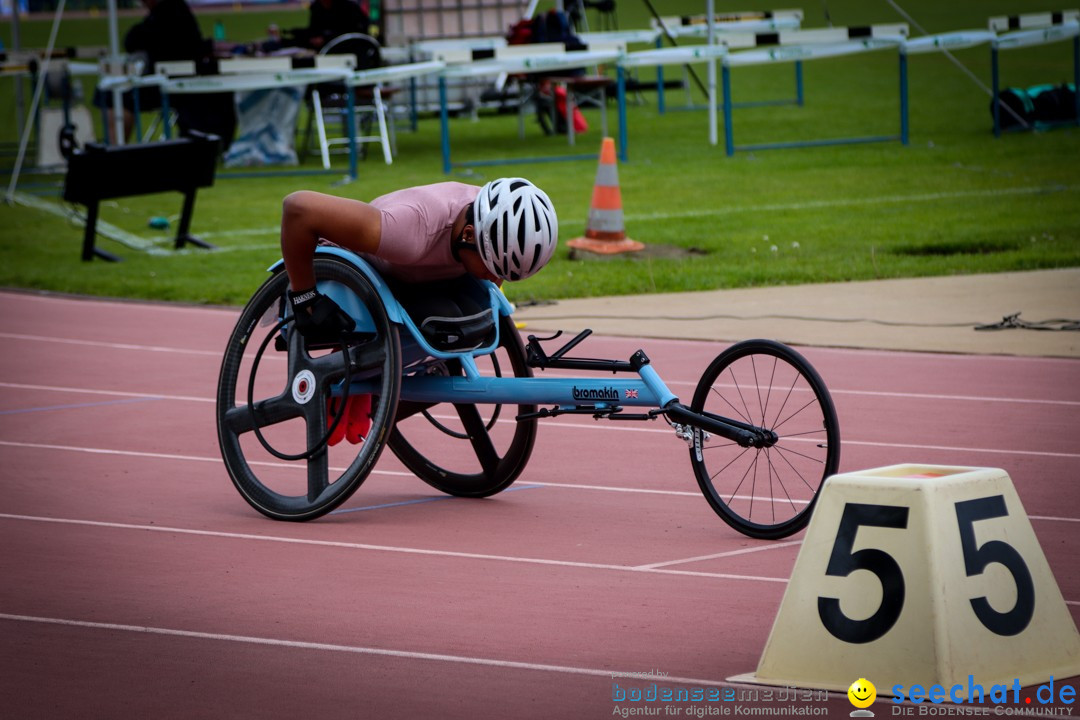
(416,225)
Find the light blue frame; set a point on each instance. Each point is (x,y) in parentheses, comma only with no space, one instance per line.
(646,390)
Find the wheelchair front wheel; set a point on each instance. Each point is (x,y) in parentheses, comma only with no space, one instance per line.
(769,492)
(291,390)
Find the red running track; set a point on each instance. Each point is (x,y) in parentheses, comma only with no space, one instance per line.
(137,583)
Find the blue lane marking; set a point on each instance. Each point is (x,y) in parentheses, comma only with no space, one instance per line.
(75,406)
(424,500)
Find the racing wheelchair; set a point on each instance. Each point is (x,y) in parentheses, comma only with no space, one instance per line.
(455,398)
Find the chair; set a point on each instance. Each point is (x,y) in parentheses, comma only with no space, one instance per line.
(608,19)
(605,8)
(578,91)
(332,99)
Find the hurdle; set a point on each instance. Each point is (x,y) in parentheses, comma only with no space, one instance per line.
(512,60)
(1028,31)
(184,77)
(657,58)
(812,44)
(941,42)
(733,30)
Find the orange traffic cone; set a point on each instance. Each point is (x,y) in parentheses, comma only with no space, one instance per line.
(604,232)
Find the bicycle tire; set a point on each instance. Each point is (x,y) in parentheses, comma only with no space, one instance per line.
(766,384)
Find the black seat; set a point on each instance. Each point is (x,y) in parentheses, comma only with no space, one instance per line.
(452,315)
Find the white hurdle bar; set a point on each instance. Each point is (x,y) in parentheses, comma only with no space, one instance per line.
(746,21)
(1032,20)
(732,29)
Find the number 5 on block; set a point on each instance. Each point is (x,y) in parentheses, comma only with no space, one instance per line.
(919,574)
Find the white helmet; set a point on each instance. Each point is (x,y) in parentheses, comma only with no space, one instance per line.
(516,228)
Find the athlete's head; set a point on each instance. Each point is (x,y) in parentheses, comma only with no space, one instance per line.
(516,228)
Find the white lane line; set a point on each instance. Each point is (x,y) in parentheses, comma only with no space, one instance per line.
(608,488)
(356,649)
(866,443)
(396,473)
(387,548)
(111,345)
(575,426)
(954,398)
(714,556)
(270,230)
(393,473)
(847,202)
(156,306)
(97,404)
(583,426)
(564,423)
(645,569)
(681,383)
(887,394)
(171,456)
(949,448)
(117,393)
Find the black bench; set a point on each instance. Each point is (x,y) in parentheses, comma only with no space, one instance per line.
(101,172)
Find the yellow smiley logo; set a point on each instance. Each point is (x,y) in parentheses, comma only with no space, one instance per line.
(862,693)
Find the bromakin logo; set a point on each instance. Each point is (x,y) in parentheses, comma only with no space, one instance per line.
(608,393)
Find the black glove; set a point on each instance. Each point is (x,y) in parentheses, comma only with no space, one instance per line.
(318,318)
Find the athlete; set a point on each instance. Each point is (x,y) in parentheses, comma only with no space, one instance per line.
(505,230)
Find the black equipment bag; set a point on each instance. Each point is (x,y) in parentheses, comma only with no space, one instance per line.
(1036,106)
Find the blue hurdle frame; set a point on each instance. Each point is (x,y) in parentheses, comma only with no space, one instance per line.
(444,120)
(661,104)
(729,133)
(995,80)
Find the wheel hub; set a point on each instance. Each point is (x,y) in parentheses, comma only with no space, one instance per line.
(303,387)
(768,439)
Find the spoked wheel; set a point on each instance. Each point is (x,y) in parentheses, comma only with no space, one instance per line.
(766,492)
(469,450)
(290,473)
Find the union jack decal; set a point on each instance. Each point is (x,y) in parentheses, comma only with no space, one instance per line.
(631,394)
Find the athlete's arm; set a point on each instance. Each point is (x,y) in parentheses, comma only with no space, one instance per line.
(307,216)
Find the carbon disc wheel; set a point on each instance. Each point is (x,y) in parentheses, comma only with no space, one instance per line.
(292,385)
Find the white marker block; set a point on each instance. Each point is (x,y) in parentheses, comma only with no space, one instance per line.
(920,575)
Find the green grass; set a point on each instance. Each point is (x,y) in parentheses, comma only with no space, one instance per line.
(956,200)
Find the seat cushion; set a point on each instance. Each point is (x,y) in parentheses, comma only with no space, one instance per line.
(453,315)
